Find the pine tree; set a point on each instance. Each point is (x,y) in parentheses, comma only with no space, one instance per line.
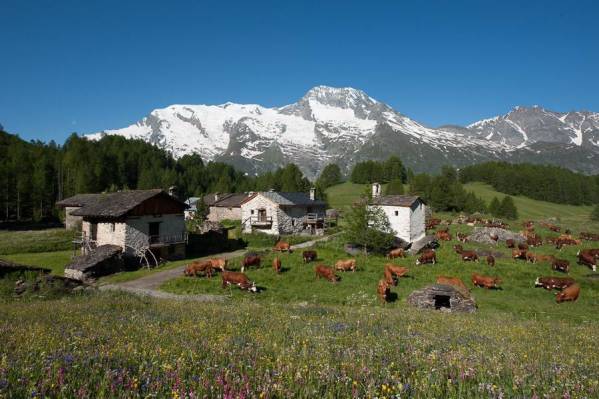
(495,207)
(395,187)
(508,209)
(330,176)
(368,227)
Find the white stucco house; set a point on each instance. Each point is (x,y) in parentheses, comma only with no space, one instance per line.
(132,220)
(406,213)
(278,213)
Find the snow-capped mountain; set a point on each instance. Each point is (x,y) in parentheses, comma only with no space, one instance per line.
(345,125)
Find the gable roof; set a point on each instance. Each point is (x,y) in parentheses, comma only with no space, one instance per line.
(289,199)
(231,201)
(396,200)
(114,205)
(77,200)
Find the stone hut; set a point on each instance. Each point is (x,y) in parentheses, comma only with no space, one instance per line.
(137,220)
(278,213)
(70,205)
(442,297)
(220,206)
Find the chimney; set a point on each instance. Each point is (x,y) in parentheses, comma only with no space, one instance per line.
(250,193)
(376,190)
(172,191)
(215,197)
(312,193)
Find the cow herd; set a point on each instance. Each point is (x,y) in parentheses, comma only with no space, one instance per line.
(392,273)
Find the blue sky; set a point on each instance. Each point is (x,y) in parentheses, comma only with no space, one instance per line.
(86,66)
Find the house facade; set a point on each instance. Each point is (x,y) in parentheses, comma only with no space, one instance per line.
(220,206)
(406,213)
(279,213)
(135,220)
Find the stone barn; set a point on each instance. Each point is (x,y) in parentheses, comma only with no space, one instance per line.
(279,213)
(71,204)
(406,213)
(147,220)
(220,206)
(442,297)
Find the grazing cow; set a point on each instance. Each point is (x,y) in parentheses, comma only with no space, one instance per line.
(462,237)
(471,256)
(199,267)
(458,248)
(238,279)
(383,291)
(393,273)
(494,237)
(276,264)
(585,258)
(569,293)
(396,253)
(550,283)
(510,243)
(561,265)
(453,281)
(530,257)
(219,263)
(522,246)
(282,246)
(427,257)
(326,273)
(250,260)
(519,254)
(534,241)
(485,281)
(589,236)
(590,252)
(345,265)
(554,228)
(561,241)
(545,258)
(443,235)
(309,256)
(491,260)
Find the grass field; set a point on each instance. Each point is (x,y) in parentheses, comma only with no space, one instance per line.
(55,261)
(16,242)
(116,345)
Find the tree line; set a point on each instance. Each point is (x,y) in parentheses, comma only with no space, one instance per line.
(35,175)
(541,182)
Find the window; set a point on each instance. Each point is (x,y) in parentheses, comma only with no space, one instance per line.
(396,213)
(111,227)
(252,211)
(293,222)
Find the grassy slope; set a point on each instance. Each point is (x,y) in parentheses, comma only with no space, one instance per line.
(52,260)
(15,242)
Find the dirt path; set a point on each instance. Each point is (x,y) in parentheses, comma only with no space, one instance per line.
(149,285)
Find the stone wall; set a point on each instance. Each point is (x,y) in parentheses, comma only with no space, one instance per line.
(72,222)
(418,221)
(256,203)
(218,213)
(138,228)
(427,298)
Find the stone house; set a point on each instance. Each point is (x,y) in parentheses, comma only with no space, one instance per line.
(138,220)
(278,213)
(220,206)
(71,204)
(406,213)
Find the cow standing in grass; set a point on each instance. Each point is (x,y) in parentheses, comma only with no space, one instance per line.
(325,272)
(276,265)
(383,291)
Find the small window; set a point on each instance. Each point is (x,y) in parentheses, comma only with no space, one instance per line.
(252,211)
(396,213)
(293,222)
(112,227)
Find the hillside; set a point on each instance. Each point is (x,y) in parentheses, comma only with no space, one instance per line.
(342,196)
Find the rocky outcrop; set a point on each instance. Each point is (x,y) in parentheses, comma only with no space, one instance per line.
(483,235)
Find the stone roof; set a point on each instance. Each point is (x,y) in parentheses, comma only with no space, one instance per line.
(395,200)
(78,200)
(290,199)
(231,201)
(102,253)
(113,205)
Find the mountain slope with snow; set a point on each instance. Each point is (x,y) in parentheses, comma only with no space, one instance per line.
(345,125)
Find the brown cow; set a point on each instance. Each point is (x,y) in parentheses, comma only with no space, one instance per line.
(585,258)
(443,235)
(562,241)
(282,246)
(393,273)
(561,265)
(250,260)
(589,236)
(458,249)
(462,237)
(396,253)
(469,256)
(510,243)
(345,265)
(219,263)
(545,258)
(519,254)
(389,277)
(383,291)
(569,293)
(550,283)
(590,252)
(534,241)
(491,260)
(530,257)
(453,281)
(309,256)
(485,281)
(427,257)
(238,279)
(276,264)
(199,267)
(326,273)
